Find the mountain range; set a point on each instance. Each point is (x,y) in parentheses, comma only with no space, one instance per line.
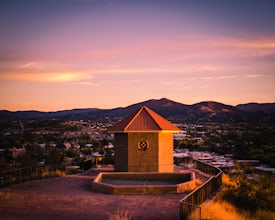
(172,110)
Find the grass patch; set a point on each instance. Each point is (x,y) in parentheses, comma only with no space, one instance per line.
(5,195)
(52,174)
(120,215)
(220,210)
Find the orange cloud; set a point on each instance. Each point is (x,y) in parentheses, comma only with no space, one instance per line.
(42,72)
(44,77)
(27,65)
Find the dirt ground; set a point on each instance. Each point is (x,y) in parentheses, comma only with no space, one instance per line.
(71,197)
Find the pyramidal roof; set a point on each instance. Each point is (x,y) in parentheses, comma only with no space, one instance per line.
(144,120)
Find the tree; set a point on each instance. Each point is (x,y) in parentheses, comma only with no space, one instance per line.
(71,153)
(3,163)
(55,157)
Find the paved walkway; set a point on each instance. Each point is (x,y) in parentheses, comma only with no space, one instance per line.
(71,197)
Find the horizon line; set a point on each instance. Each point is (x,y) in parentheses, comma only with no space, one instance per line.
(98,108)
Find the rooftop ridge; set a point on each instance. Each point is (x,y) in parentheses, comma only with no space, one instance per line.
(150,114)
(144,120)
(131,121)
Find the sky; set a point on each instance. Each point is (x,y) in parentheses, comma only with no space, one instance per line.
(65,54)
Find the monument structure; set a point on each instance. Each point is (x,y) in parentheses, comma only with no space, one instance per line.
(143,158)
(144,142)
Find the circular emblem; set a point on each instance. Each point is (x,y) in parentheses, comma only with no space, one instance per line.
(143,145)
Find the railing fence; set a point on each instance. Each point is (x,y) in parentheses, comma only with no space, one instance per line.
(191,202)
(21,175)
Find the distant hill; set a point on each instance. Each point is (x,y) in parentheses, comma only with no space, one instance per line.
(176,112)
(4,114)
(256,107)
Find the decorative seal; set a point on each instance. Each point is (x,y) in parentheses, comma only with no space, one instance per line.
(143,145)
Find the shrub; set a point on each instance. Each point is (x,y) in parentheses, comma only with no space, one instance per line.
(251,194)
(70,171)
(51,175)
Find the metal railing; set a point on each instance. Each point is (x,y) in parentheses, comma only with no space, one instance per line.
(21,175)
(191,202)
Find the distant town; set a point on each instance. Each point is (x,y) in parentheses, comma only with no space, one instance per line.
(82,144)
(227,137)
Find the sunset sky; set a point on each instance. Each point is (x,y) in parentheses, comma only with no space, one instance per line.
(64,54)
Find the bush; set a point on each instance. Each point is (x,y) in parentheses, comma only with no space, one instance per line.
(70,171)
(251,194)
(51,175)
